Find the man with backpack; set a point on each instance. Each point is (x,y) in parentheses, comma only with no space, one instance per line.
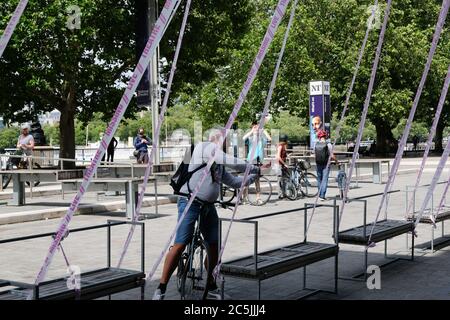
(184,182)
(322,152)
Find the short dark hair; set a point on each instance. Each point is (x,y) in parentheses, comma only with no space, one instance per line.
(254,123)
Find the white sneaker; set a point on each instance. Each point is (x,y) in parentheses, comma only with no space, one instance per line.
(158,295)
(322,199)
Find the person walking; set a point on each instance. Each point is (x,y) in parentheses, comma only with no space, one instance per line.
(322,153)
(111,149)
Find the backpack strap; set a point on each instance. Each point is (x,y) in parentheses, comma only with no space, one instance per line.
(194,171)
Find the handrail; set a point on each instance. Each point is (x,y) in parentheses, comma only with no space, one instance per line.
(49,234)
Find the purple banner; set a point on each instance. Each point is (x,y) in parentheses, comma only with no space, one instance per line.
(319,110)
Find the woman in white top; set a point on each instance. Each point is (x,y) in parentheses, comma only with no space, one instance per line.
(26,140)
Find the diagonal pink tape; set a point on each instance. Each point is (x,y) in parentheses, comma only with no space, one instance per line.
(12,25)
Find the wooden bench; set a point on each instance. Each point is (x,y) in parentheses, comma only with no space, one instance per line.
(270,263)
(93,284)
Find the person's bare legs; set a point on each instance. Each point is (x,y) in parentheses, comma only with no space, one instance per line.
(171,262)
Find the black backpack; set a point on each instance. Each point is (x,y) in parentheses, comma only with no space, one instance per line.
(183,175)
(322,153)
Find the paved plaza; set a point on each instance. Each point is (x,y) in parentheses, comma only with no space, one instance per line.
(428,277)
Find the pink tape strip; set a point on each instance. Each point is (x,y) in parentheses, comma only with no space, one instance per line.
(158,129)
(260,129)
(344,112)
(402,144)
(434,182)
(437,116)
(147,54)
(276,19)
(442,202)
(12,25)
(366,106)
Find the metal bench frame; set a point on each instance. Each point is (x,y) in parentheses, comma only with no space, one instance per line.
(92,294)
(312,291)
(357,277)
(442,217)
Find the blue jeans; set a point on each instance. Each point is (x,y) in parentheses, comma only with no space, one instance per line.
(322,174)
(209,226)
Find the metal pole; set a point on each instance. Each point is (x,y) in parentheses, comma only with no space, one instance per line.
(154,79)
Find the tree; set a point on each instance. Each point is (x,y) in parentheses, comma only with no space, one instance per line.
(327,48)
(78,72)
(8,137)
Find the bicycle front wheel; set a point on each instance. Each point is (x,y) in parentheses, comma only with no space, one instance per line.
(259,192)
(194,282)
(309,185)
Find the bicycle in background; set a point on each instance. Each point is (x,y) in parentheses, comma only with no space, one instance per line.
(305,182)
(256,194)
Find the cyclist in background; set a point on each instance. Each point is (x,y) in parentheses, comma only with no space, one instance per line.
(208,194)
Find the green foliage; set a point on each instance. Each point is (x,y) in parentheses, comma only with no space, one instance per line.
(294,127)
(8,137)
(418,129)
(52,134)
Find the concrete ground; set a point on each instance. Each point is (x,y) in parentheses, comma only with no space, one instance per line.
(428,277)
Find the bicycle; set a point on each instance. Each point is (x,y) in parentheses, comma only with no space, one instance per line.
(341,180)
(257,194)
(18,163)
(305,182)
(194,270)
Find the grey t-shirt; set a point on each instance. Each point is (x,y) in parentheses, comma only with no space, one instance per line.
(26,140)
(210,189)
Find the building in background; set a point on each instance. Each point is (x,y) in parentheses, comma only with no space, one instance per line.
(50,118)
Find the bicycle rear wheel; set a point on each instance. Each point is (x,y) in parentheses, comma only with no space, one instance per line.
(288,189)
(194,282)
(6,178)
(259,192)
(309,186)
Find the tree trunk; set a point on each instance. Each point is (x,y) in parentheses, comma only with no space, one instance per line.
(438,148)
(386,142)
(67,137)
